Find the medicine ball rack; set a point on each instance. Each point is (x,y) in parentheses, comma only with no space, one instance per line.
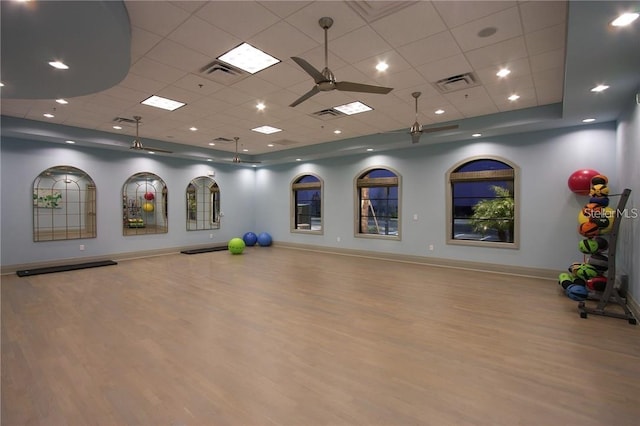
(611,294)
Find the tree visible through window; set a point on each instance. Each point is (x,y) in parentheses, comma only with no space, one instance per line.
(307,203)
(378,203)
(483,204)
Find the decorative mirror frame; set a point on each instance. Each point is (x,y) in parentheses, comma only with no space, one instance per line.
(203,204)
(64,205)
(144,205)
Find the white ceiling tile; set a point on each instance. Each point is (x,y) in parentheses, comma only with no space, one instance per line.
(527,99)
(255,87)
(141,42)
(359,44)
(284,8)
(537,15)
(201,36)
(344,18)
(475,96)
(189,5)
(158,17)
(176,55)
(148,68)
(519,67)
(549,85)
(456,13)
(284,74)
(430,49)
(551,38)
(547,60)
(498,54)
(507,86)
(197,84)
(506,23)
(143,84)
(410,24)
(243,22)
(283,40)
(445,68)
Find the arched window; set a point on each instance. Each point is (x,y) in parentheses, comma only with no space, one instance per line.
(64,205)
(378,203)
(203,204)
(306,204)
(483,199)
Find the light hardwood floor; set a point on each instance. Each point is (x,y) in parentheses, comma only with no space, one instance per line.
(278,336)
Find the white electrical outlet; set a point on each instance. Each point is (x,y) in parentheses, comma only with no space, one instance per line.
(81,247)
(415,216)
(431,247)
(338,239)
(210,235)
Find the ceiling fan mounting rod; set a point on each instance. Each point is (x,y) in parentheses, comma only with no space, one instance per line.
(326,23)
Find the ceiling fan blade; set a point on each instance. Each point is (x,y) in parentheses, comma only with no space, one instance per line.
(309,69)
(415,137)
(440,129)
(348,86)
(306,96)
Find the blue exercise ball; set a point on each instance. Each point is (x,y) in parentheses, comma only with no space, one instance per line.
(264,239)
(250,239)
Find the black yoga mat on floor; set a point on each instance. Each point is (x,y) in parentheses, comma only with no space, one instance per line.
(204,250)
(63,268)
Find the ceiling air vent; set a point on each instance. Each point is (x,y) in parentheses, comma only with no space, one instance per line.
(222,72)
(457,82)
(124,120)
(327,114)
(222,140)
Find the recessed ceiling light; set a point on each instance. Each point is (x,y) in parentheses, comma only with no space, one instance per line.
(600,88)
(48,115)
(337,131)
(151,152)
(439,111)
(254,165)
(248,58)
(117,127)
(163,103)
(588,120)
(70,142)
(298,159)
(209,159)
(353,108)
(270,145)
(1,84)
(62,101)
(382,66)
(514,97)
(245,150)
(212,144)
(267,130)
(260,106)
(59,65)
(624,19)
(193,129)
(503,72)
(476,135)
(369,149)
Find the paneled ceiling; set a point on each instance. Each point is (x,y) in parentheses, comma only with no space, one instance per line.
(121,53)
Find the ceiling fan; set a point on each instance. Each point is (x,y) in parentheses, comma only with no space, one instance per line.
(416,129)
(236,158)
(136,145)
(325,80)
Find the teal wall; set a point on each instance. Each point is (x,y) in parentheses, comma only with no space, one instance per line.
(258,199)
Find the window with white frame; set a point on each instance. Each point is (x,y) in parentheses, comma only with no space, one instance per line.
(306,204)
(378,203)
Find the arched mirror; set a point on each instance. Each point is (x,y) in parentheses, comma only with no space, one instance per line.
(64,205)
(144,205)
(203,204)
